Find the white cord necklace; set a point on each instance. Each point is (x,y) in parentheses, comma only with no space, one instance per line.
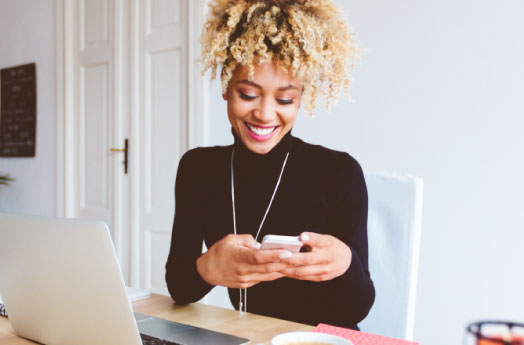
(243,306)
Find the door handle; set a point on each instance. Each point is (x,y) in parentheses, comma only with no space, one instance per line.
(126,151)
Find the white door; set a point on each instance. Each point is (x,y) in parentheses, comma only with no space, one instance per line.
(160,130)
(94,127)
(95,92)
(96,178)
(126,77)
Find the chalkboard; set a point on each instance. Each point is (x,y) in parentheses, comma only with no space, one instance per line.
(18,111)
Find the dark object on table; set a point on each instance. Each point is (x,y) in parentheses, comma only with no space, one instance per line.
(497,332)
(2,310)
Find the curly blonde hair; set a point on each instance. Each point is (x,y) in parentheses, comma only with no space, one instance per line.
(307,38)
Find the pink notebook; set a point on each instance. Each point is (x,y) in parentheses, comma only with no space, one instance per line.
(360,338)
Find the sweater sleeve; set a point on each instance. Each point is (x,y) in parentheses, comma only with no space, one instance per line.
(184,283)
(348,222)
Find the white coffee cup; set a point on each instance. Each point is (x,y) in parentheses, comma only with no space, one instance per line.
(287,338)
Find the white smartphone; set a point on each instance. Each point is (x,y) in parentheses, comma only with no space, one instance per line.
(291,243)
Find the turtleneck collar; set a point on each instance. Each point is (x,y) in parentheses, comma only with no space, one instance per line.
(280,149)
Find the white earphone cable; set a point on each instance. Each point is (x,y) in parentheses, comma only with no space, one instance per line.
(243,306)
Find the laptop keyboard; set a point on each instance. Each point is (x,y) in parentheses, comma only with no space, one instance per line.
(149,340)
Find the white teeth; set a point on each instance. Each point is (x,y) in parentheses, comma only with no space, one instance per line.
(260,131)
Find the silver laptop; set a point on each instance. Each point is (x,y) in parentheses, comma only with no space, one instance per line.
(61,284)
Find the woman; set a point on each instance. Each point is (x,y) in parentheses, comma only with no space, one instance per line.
(274,55)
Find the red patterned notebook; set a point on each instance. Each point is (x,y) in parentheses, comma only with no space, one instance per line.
(360,338)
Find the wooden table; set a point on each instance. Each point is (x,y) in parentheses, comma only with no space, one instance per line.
(259,329)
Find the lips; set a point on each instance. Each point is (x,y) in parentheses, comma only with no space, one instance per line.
(260,133)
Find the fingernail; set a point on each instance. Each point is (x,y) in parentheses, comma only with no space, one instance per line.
(304,237)
(258,245)
(285,254)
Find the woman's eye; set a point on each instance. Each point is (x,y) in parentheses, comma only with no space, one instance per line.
(285,101)
(246,97)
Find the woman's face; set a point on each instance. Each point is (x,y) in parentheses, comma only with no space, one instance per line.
(263,110)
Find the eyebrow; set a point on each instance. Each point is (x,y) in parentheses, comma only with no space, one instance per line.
(283,88)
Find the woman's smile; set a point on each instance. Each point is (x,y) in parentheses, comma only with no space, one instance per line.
(260,133)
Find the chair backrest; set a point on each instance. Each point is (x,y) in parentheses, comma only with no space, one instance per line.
(394,226)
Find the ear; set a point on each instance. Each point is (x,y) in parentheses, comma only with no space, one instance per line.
(225,94)
(301,95)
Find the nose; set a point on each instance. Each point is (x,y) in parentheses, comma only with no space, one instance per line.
(265,112)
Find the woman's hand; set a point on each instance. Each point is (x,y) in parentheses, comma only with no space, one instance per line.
(236,262)
(327,259)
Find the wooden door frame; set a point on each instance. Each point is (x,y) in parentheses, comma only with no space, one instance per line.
(66,120)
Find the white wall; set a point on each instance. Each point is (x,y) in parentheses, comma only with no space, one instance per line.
(440,95)
(27,34)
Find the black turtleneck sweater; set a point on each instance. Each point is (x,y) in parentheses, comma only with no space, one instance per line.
(321,191)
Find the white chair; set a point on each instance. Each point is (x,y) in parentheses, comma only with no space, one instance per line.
(394,226)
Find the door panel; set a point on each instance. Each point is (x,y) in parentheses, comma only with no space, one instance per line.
(164,106)
(162,137)
(94,22)
(94,70)
(95,171)
(156,251)
(96,79)
(162,13)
